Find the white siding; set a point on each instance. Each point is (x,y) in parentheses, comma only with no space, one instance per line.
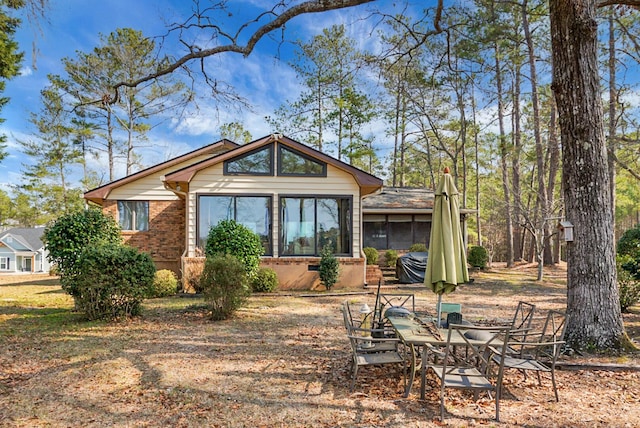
(336,183)
(151,187)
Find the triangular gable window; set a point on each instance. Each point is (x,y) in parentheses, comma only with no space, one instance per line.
(292,162)
(256,162)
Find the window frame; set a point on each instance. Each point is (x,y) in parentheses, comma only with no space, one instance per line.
(7,260)
(134,220)
(281,229)
(270,173)
(268,251)
(282,147)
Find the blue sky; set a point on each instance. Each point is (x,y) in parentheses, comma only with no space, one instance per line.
(76,25)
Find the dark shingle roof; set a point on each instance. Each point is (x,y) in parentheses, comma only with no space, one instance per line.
(31,237)
(392,198)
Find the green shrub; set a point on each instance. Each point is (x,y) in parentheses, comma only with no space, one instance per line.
(113,280)
(371,254)
(478,257)
(418,248)
(69,235)
(391,257)
(231,237)
(165,284)
(629,245)
(224,284)
(628,285)
(265,281)
(329,268)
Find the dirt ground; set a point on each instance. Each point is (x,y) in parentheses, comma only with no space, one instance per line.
(282,361)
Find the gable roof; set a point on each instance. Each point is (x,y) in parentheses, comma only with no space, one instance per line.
(403,200)
(400,199)
(368,183)
(99,194)
(28,238)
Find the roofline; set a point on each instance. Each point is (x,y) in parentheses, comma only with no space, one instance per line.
(99,194)
(375,210)
(368,183)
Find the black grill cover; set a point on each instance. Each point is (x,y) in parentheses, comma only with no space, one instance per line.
(410,268)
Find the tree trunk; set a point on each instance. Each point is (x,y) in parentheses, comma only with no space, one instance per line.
(593,309)
(503,154)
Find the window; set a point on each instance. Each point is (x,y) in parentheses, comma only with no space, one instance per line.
(256,162)
(253,212)
(4,263)
(134,215)
(308,224)
(292,162)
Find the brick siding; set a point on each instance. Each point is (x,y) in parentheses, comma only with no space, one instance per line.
(164,240)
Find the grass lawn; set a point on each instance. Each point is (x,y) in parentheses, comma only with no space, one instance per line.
(283,360)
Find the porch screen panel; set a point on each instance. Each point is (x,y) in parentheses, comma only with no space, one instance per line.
(422,229)
(375,234)
(400,233)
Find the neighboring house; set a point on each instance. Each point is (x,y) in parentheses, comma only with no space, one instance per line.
(295,198)
(22,250)
(398,217)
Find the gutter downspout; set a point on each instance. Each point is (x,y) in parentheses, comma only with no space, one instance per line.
(186,225)
(362,254)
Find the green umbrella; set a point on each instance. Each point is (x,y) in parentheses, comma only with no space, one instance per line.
(446,261)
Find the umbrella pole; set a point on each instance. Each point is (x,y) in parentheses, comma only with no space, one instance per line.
(439,309)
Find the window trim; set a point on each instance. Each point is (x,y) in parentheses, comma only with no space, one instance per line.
(7,260)
(282,147)
(134,220)
(315,197)
(270,173)
(269,196)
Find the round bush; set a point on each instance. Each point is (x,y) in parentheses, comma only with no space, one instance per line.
(371,255)
(113,280)
(628,285)
(265,281)
(478,257)
(629,245)
(225,285)
(69,235)
(418,248)
(165,284)
(391,257)
(231,237)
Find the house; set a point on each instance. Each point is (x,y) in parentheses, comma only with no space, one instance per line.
(398,217)
(295,198)
(22,250)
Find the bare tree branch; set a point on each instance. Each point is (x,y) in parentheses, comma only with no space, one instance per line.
(311,6)
(632,3)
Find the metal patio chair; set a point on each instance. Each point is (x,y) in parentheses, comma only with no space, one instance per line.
(472,369)
(539,351)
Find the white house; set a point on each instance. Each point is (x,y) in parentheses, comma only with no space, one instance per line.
(22,250)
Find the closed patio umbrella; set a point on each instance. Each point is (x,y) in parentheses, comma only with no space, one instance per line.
(446,261)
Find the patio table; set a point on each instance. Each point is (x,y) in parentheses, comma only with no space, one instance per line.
(416,332)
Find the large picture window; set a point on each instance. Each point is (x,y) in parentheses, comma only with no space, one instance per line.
(308,224)
(254,212)
(133,215)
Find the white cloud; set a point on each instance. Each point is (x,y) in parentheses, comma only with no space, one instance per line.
(25,71)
